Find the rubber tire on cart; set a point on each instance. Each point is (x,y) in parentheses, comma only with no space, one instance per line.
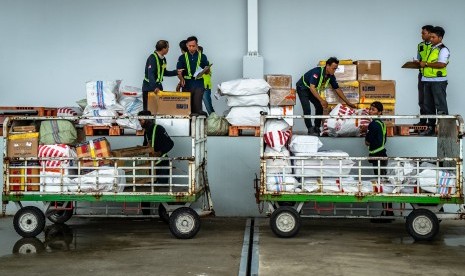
(163,214)
(422,225)
(61,216)
(184,223)
(29,221)
(28,246)
(285,222)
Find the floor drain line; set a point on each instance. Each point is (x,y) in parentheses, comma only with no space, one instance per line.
(250,251)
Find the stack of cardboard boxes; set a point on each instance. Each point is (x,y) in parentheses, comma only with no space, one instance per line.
(174,104)
(282,96)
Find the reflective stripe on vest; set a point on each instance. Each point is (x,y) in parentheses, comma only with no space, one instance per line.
(207,80)
(383,127)
(318,88)
(423,51)
(188,64)
(433,56)
(159,72)
(153,143)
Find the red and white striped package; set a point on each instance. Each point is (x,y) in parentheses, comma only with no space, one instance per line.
(57,152)
(277,139)
(69,111)
(340,124)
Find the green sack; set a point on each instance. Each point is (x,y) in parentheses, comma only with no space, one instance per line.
(57,132)
(217,125)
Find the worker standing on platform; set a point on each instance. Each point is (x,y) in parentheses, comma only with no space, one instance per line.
(423,49)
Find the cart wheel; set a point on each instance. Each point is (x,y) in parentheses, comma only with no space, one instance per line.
(60,216)
(285,222)
(29,221)
(28,246)
(184,223)
(422,225)
(163,214)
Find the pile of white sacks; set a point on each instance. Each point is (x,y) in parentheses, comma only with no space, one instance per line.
(247,98)
(310,170)
(106,99)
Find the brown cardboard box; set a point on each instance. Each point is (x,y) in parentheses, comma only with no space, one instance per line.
(346,72)
(350,90)
(93,149)
(18,175)
(368,69)
(23,145)
(279,81)
(143,152)
(169,103)
(282,96)
(377,90)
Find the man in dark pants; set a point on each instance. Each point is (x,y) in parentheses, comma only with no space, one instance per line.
(156,137)
(435,79)
(188,64)
(375,139)
(423,49)
(155,69)
(310,87)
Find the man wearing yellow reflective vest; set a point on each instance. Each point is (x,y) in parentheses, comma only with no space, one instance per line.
(310,88)
(423,49)
(155,70)
(376,137)
(207,94)
(188,65)
(435,79)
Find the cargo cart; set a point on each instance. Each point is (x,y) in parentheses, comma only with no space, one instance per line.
(105,186)
(334,185)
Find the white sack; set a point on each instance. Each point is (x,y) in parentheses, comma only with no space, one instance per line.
(281,184)
(96,112)
(329,167)
(250,100)
(131,105)
(101,180)
(102,94)
(305,143)
(245,116)
(242,87)
(444,185)
(54,182)
(278,165)
(129,123)
(130,91)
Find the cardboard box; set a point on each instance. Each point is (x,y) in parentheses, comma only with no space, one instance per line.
(94,149)
(22,177)
(283,110)
(23,145)
(176,127)
(368,69)
(350,90)
(282,96)
(145,151)
(346,72)
(341,62)
(169,103)
(279,81)
(377,90)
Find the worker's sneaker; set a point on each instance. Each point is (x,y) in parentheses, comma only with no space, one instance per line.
(428,132)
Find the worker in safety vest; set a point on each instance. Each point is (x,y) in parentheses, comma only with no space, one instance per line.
(207,94)
(310,88)
(375,138)
(183,48)
(192,63)
(423,49)
(155,70)
(435,79)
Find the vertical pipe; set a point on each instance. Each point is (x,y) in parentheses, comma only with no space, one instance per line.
(252,27)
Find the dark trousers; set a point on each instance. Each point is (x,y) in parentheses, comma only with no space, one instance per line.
(306,96)
(421,99)
(434,94)
(383,164)
(163,172)
(196,97)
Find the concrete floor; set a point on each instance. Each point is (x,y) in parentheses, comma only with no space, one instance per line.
(146,247)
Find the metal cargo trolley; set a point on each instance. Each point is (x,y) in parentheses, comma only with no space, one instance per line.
(306,182)
(120,184)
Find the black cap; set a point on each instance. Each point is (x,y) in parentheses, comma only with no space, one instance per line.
(378,105)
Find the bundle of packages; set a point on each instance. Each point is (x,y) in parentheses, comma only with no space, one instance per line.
(57,132)
(276,133)
(59,158)
(101,180)
(280,164)
(315,166)
(280,183)
(304,144)
(247,98)
(102,117)
(336,185)
(54,182)
(437,181)
(102,94)
(92,149)
(342,126)
(130,98)
(217,125)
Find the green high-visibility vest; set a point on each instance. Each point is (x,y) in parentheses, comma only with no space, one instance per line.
(433,56)
(423,49)
(383,127)
(318,88)
(161,72)
(188,64)
(153,142)
(207,80)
